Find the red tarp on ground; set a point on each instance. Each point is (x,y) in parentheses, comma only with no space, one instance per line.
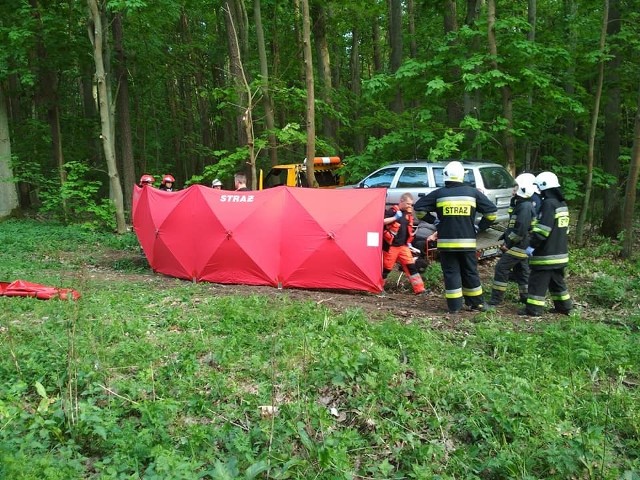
(22,288)
(284,237)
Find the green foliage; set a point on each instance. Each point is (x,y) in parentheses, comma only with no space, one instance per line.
(573,177)
(432,276)
(448,146)
(77,200)
(609,282)
(145,377)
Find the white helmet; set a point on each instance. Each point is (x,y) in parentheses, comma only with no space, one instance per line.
(216,183)
(527,179)
(453,172)
(547,180)
(525,190)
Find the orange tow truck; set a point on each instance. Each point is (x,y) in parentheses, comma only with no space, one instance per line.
(326,171)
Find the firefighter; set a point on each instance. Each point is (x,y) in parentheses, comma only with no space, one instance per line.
(146,179)
(456,204)
(514,262)
(536,200)
(549,251)
(168,183)
(398,235)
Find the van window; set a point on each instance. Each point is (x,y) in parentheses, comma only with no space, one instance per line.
(413,177)
(381,178)
(439,177)
(495,178)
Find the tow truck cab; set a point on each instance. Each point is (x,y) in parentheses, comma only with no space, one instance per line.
(326,171)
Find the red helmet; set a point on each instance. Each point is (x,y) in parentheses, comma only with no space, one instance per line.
(168,179)
(146,179)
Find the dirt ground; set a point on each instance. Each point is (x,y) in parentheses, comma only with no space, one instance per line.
(398,300)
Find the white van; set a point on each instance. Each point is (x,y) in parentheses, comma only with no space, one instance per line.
(422,177)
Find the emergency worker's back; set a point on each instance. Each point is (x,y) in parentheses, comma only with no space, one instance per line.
(456,205)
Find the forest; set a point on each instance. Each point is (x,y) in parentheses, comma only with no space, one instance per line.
(93,94)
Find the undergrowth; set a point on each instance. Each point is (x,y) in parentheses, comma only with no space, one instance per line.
(151,379)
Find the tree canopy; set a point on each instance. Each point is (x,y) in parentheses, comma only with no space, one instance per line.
(510,82)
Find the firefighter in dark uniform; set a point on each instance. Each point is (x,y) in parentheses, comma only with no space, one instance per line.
(397,248)
(456,204)
(514,262)
(536,200)
(549,251)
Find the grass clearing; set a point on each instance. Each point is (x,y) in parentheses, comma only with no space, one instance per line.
(156,378)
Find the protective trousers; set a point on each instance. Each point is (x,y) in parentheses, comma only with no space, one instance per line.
(461,279)
(510,267)
(403,256)
(553,280)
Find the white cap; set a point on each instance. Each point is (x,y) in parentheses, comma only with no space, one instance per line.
(216,183)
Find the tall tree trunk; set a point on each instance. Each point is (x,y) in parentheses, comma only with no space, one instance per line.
(612,218)
(8,192)
(297,12)
(507,101)
(173,96)
(122,111)
(630,193)
(471,100)
(48,98)
(188,148)
(454,112)
(202,102)
(246,118)
(395,41)
(96,35)
(355,66)
(90,112)
(266,93)
(235,64)
(324,69)
(531,37)
(588,186)
(571,13)
(241,22)
(311,112)
(411,14)
(377,46)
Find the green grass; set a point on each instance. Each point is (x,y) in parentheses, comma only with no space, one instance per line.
(154,378)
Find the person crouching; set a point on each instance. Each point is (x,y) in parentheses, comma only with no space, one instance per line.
(398,235)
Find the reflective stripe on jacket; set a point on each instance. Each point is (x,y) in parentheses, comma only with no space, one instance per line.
(456,205)
(549,236)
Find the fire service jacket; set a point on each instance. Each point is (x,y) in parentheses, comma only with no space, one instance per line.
(516,238)
(400,232)
(549,235)
(456,205)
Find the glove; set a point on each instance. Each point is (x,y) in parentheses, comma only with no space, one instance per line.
(529,251)
(399,214)
(477,229)
(413,249)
